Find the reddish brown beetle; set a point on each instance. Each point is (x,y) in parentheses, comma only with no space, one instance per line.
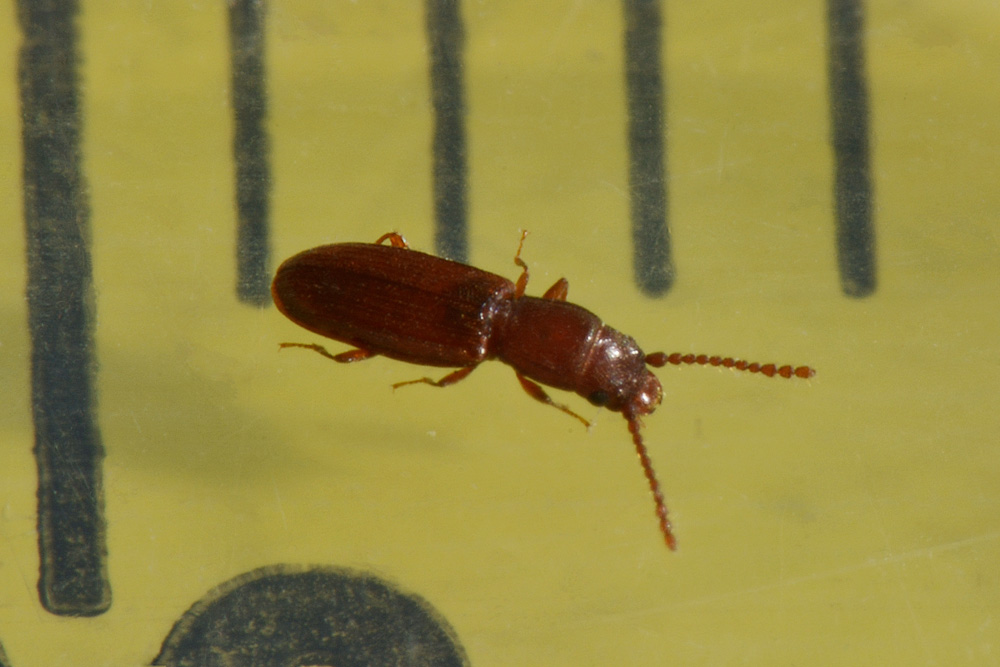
(399,303)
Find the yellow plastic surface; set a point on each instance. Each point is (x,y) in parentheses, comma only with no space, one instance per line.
(850,519)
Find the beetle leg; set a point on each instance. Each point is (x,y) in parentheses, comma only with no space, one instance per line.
(343,358)
(449,379)
(395,240)
(522,280)
(537,393)
(559,291)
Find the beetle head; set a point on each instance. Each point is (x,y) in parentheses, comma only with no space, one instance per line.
(646,398)
(616,376)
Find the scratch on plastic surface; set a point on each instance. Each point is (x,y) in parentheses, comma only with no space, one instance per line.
(617,189)
(721,164)
(281,508)
(891,559)
(29,585)
(557,35)
(781,570)
(783,583)
(901,582)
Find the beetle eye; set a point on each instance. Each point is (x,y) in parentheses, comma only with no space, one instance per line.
(599,398)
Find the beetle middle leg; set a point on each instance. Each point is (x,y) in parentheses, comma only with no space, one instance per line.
(342,358)
(536,392)
(395,239)
(449,379)
(559,291)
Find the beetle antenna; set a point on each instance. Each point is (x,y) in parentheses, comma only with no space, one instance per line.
(659,359)
(654,486)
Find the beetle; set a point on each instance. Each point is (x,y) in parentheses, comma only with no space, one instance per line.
(386,299)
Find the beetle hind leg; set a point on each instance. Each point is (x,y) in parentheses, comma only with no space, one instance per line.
(449,379)
(350,356)
(536,392)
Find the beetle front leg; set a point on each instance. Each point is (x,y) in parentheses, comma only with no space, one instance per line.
(558,292)
(348,357)
(536,392)
(449,379)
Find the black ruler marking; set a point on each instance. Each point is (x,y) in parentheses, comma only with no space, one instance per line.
(250,151)
(446,39)
(853,192)
(652,263)
(68,450)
